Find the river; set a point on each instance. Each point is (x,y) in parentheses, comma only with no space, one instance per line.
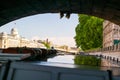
(62,59)
(69,59)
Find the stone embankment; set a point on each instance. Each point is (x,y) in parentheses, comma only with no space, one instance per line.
(111,52)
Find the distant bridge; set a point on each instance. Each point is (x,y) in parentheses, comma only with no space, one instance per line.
(67,51)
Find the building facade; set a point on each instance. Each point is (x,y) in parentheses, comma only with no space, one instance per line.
(15,40)
(111,34)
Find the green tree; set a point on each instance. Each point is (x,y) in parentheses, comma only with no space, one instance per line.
(89,32)
(47,45)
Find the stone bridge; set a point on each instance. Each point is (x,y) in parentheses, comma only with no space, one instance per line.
(15,9)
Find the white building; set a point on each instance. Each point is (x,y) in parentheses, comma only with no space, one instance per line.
(14,40)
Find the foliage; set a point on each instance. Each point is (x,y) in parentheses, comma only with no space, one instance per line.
(89,32)
(87,60)
(92,49)
(47,45)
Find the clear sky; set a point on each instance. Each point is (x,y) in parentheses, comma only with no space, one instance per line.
(42,26)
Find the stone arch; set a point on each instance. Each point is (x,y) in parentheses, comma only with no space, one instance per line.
(15,9)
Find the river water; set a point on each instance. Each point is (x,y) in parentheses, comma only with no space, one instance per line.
(69,59)
(62,59)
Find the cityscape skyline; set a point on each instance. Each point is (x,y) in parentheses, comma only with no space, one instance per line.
(43,26)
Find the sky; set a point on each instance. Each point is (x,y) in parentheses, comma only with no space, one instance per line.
(43,26)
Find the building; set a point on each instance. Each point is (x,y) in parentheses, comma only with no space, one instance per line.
(111,34)
(15,40)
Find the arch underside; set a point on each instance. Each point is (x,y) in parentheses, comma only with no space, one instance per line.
(15,9)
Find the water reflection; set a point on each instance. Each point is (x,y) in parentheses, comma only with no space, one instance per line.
(68,61)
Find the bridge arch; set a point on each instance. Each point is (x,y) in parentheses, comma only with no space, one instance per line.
(15,9)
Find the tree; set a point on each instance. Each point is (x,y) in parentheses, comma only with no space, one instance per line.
(89,32)
(47,45)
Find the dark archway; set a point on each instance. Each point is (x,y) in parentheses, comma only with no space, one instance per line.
(14,9)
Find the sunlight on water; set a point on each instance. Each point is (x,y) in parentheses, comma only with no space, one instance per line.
(62,59)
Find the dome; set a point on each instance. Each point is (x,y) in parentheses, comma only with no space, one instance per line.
(4,33)
(14,31)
